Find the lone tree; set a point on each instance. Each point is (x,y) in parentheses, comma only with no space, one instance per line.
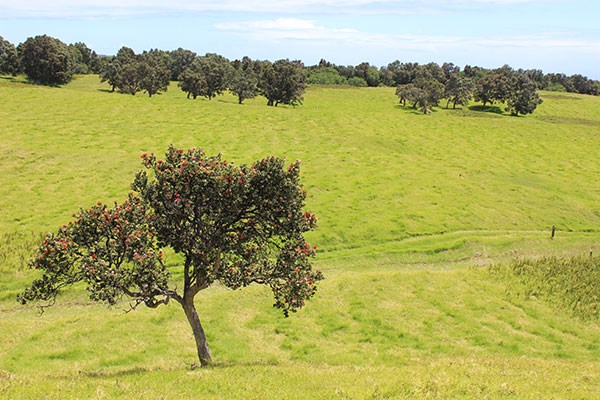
(46,60)
(235,225)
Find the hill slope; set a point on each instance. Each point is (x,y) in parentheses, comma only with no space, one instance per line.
(409,207)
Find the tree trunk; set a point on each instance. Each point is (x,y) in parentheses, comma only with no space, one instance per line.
(199,335)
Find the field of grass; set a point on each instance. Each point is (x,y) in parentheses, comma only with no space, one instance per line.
(411,209)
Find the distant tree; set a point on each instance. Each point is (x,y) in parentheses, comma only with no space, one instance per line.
(85,59)
(152,71)
(283,82)
(180,60)
(432,92)
(113,70)
(537,76)
(458,90)
(46,60)
(582,85)
(449,70)
(367,72)
(111,73)
(235,225)
(523,97)
(9,59)
(244,85)
(403,73)
(495,86)
(193,82)
(217,71)
(409,93)
(425,92)
(129,80)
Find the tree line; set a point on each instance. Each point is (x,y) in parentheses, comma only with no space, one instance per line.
(47,60)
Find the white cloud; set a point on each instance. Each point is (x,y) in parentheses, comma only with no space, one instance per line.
(102,8)
(290,29)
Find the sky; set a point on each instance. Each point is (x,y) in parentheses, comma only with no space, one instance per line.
(551,35)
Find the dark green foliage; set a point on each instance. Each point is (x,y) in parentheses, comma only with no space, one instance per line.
(495,86)
(282,82)
(367,72)
(180,59)
(217,72)
(193,82)
(113,70)
(458,90)
(46,60)
(131,73)
(244,85)
(86,60)
(523,98)
(236,225)
(207,76)
(573,283)
(424,92)
(9,59)
(153,73)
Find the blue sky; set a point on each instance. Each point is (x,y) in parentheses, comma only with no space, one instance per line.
(552,35)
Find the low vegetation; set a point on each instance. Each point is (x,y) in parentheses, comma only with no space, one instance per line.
(571,283)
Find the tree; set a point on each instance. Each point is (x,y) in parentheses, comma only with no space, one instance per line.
(282,82)
(180,60)
(408,92)
(9,59)
(113,71)
(153,74)
(193,82)
(236,225)
(217,72)
(495,86)
(244,85)
(86,60)
(523,97)
(46,60)
(458,90)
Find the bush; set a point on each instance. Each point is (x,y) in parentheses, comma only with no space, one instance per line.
(326,76)
(357,81)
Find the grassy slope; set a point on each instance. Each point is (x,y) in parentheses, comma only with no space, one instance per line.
(407,205)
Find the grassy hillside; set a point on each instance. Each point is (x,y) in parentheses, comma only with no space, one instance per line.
(410,207)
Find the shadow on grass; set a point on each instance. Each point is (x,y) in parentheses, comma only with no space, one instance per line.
(138,370)
(412,110)
(488,109)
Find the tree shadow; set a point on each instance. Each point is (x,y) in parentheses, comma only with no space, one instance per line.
(411,110)
(488,109)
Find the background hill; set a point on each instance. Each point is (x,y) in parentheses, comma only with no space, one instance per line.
(411,208)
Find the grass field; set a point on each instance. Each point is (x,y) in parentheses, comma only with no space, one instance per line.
(411,209)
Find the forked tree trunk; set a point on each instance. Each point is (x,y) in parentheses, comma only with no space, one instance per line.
(199,335)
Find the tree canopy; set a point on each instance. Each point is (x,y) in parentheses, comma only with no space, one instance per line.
(46,60)
(232,224)
(9,59)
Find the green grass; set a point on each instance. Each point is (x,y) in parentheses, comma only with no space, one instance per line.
(410,207)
